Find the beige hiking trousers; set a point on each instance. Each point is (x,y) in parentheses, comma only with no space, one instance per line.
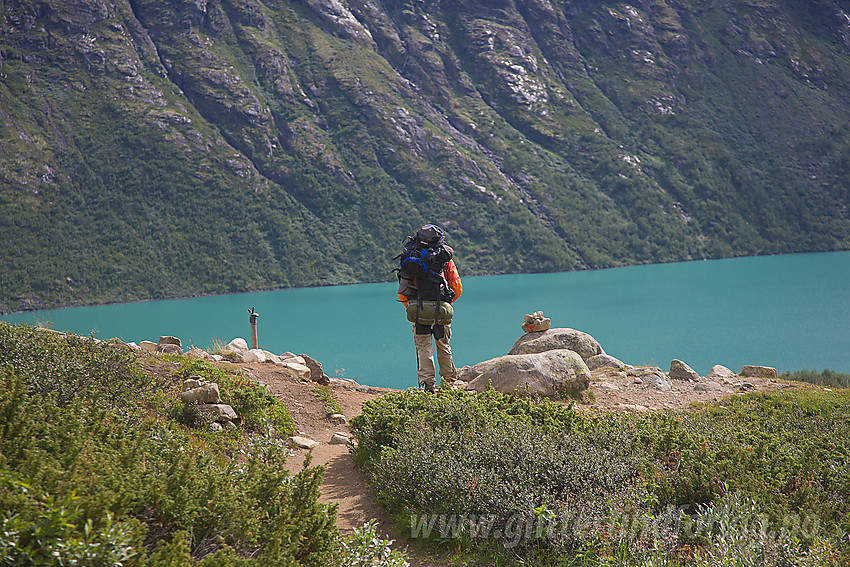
(425,356)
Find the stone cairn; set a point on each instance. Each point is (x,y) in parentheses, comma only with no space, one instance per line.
(536,322)
(202,404)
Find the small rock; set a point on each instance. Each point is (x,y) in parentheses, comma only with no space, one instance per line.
(169,340)
(134,347)
(709,387)
(338,418)
(207,394)
(216,357)
(238,345)
(216,426)
(300,371)
(745,386)
(197,353)
(604,361)
(213,412)
(271,357)
(302,442)
(654,376)
(254,355)
(637,408)
(681,371)
(767,372)
(339,439)
(317,373)
(721,374)
(193,382)
(344,383)
(149,346)
(169,349)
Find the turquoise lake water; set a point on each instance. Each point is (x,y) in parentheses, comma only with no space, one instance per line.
(791,312)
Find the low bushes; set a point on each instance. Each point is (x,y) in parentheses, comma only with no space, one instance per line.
(506,478)
(92,481)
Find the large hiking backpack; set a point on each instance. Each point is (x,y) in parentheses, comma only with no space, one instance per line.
(424,257)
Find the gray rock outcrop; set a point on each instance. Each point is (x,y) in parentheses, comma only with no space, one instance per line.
(550,373)
(556,339)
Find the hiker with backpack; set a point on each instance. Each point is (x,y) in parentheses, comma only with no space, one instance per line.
(428,285)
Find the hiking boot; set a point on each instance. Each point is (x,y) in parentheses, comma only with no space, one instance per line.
(429,387)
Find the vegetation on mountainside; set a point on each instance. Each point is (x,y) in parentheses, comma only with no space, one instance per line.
(157,149)
(95,470)
(760,479)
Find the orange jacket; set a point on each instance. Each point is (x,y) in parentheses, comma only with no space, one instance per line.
(452,278)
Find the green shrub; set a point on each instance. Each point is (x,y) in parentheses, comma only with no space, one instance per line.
(326,394)
(739,535)
(68,367)
(542,480)
(365,548)
(83,483)
(54,535)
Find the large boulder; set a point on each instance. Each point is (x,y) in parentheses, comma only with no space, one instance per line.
(546,374)
(557,339)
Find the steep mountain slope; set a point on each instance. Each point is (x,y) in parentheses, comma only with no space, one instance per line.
(158,148)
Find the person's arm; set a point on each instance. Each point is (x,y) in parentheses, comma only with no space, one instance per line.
(453,279)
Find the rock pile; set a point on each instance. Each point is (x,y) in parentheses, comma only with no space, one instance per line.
(300,366)
(553,362)
(202,404)
(536,322)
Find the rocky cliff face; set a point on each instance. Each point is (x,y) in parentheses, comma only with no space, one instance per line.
(154,148)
